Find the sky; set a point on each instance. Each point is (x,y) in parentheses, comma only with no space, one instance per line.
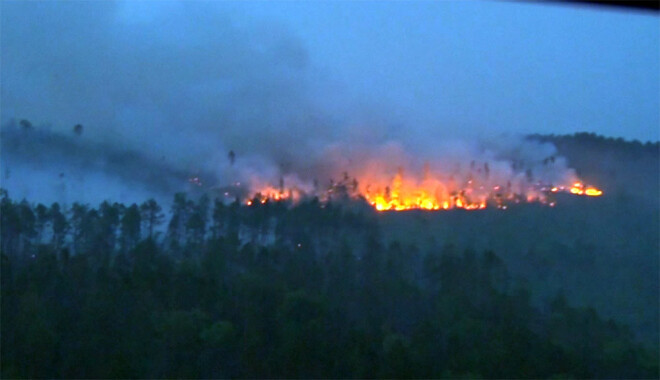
(427,67)
(295,84)
(483,66)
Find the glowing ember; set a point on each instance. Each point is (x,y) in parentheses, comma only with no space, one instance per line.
(579,189)
(593,192)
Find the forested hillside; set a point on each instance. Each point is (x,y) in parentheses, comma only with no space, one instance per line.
(627,169)
(202,288)
(601,252)
(277,290)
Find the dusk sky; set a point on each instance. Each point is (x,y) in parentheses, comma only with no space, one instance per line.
(414,72)
(482,66)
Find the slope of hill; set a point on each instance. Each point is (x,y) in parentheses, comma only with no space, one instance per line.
(601,252)
(313,289)
(623,168)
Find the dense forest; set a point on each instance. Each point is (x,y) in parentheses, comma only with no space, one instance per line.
(274,290)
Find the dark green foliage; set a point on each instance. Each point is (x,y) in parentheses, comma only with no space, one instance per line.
(307,291)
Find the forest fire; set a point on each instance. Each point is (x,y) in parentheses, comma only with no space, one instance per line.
(459,175)
(473,192)
(579,189)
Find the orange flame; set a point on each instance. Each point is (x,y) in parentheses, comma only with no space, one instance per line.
(579,189)
(402,193)
(593,192)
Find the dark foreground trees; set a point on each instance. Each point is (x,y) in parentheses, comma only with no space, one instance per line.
(271,291)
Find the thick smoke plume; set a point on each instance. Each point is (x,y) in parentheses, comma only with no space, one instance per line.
(163,110)
(50,166)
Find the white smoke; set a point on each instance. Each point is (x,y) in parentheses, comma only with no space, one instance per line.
(185,91)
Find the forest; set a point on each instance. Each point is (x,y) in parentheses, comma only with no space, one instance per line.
(329,189)
(279,290)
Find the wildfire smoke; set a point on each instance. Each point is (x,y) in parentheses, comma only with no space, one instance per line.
(390,181)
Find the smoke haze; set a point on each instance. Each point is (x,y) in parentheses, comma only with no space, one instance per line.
(185,83)
(184,90)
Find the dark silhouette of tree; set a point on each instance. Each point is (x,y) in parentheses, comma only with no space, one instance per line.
(110,218)
(328,297)
(9,225)
(130,227)
(180,214)
(42,220)
(152,216)
(60,226)
(78,214)
(219,219)
(27,227)
(197,221)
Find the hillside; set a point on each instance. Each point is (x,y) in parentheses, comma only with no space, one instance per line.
(602,252)
(313,289)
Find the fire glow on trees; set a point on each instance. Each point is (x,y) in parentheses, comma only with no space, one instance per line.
(470,175)
(474,192)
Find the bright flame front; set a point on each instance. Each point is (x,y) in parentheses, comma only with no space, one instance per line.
(402,193)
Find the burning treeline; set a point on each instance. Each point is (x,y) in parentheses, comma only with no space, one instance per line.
(449,184)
